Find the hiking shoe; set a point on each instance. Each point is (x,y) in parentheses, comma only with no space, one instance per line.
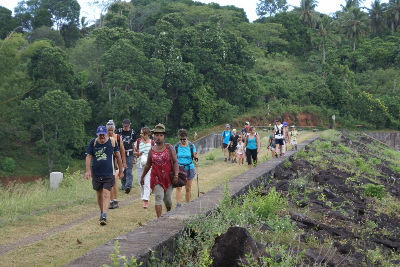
(225,159)
(145,204)
(115,204)
(178,205)
(127,190)
(103,220)
(112,205)
(233,161)
(284,154)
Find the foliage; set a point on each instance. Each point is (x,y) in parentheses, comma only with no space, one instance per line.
(7,164)
(116,258)
(372,190)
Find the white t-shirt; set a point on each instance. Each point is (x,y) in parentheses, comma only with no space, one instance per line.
(278,131)
(240,149)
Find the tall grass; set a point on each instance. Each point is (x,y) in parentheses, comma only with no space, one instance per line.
(19,199)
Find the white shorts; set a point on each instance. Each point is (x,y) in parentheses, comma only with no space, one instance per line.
(293,142)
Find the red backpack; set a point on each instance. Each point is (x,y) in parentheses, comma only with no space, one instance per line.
(138,142)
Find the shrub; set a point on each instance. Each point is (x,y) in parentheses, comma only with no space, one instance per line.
(7,164)
(267,206)
(287,164)
(210,156)
(372,190)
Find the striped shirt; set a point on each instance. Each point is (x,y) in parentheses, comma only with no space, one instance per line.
(145,148)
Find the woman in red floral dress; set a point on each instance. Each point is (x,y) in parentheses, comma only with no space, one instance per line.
(159,160)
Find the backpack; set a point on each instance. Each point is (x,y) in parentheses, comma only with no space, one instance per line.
(277,131)
(133,134)
(190,146)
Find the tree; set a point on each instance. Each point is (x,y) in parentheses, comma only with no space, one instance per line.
(60,122)
(394,14)
(324,31)
(351,4)
(271,7)
(63,12)
(7,22)
(353,24)
(376,15)
(307,12)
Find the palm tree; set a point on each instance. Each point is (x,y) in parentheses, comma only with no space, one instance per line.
(353,24)
(308,15)
(394,14)
(351,3)
(376,14)
(324,31)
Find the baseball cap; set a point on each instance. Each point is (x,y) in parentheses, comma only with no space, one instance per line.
(101,130)
(126,122)
(284,123)
(247,123)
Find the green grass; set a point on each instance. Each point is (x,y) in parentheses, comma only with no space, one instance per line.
(23,199)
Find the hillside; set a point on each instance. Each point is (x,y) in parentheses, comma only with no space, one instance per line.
(335,204)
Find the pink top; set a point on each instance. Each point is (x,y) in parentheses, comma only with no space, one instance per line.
(160,169)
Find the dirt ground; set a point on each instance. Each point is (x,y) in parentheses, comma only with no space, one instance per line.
(55,238)
(326,187)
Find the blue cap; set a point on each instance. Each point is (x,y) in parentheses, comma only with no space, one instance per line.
(101,130)
(285,123)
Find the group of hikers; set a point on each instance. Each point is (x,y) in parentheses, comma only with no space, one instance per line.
(247,143)
(159,165)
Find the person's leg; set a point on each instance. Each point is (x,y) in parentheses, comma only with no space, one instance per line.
(106,199)
(129,176)
(146,189)
(139,172)
(254,156)
(225,151)
(99,194)
(248,157)
(188,188)
(114,193)
(168,198)
(123,181)
(159,196)
(178,196)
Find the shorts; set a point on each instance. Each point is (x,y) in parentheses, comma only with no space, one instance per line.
(251,154)
(231,149)
(241,156)
(224,145)
(161,196)
(278,142)
(100,182)
(293,142)
(190,173)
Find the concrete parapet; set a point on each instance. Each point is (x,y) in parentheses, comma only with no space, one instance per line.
(160,235)
(208,143)
(389,138)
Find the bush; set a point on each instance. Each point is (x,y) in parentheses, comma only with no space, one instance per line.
(372,190)
(269,205)
(7,164)
(210,156)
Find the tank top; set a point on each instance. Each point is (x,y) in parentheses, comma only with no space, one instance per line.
(160,169)
(251,143)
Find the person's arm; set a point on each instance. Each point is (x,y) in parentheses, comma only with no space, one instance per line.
(122,150)
(119,162)
(245,143)
(134,151)
(258,142)
(146,167)
(88,170)
(174,162)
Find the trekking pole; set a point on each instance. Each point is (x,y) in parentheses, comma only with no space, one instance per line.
(198,189)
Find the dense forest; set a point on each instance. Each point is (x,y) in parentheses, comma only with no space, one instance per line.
(189,64)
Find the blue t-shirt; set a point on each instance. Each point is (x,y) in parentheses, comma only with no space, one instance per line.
(102,157)
(185,157)
(226,135)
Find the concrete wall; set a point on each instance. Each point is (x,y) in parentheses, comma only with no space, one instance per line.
(207,143)
(389,138)
(160,235)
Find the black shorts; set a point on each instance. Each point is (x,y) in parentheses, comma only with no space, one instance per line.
(279,142)
(251,154)
(231,149)
(100,182)
(224,145)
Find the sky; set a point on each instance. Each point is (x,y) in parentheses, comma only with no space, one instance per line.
(324,6)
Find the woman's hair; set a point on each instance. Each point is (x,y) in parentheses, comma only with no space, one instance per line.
(251,128)
(110,124)
(146,130)
(182,132)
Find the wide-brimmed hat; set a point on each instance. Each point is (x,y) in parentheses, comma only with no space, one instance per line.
(159,128)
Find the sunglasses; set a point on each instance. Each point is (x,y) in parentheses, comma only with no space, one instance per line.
(182,139)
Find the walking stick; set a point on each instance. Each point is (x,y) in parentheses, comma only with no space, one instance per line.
(198,189)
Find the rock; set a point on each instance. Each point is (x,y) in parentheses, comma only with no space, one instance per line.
(232,246)
(329,194)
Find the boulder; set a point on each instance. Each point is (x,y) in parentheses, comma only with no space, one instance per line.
(230,248)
